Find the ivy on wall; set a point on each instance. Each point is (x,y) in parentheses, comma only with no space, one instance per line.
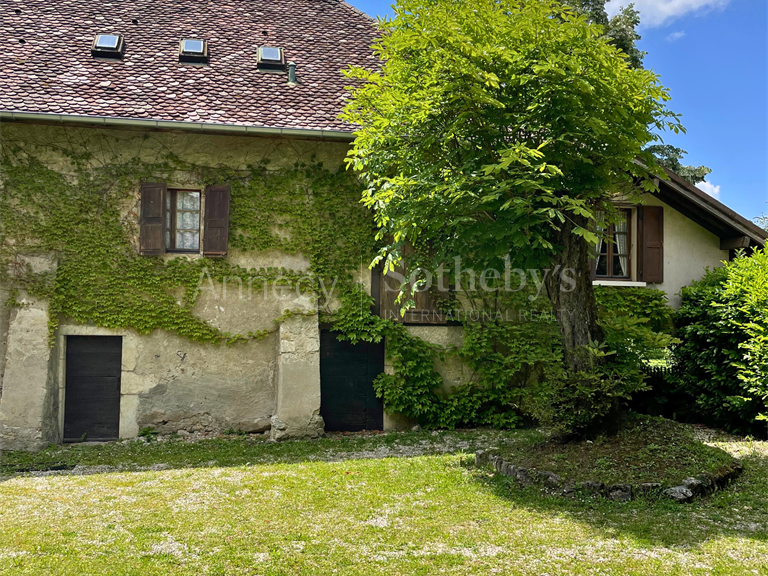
(84,213)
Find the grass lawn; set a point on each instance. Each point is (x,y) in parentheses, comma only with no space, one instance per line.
(342,506)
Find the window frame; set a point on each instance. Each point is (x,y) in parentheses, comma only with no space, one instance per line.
(609,233)
(171,194)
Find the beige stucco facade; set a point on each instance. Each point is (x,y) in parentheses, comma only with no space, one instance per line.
(689,249)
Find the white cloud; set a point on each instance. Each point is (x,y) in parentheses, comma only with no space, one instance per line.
(710,189)
(659,12)
(675,35)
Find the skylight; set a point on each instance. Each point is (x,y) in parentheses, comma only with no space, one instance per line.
(108,46)
(193,50)
(271,54)
(107,41)
(271,58)
(192,46)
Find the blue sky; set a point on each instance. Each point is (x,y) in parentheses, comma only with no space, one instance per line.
(713,56)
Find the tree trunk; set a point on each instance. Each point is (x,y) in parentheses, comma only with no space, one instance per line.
(575,306)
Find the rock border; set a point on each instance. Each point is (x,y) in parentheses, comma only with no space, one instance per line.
(690,488)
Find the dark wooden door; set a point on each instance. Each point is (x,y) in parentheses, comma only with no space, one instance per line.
(348,402)
(92,393)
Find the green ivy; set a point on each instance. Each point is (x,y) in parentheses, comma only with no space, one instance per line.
(75,213)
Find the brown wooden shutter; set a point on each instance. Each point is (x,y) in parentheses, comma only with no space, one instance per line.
(424,311)
(389,289)
(650,243)
(152,221)
(216,231)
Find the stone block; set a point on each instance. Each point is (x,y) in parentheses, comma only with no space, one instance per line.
(679,494)
(696,486)
(254,426)
(619,492)
(597,488)
(29,403)
(647,488)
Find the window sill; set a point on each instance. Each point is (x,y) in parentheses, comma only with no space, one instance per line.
(627,283)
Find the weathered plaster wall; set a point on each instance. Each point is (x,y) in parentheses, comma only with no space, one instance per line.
(688,250)
(29,405)
(170,382)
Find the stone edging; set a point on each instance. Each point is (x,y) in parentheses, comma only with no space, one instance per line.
(690,488)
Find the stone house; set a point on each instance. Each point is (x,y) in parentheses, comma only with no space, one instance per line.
(229,84)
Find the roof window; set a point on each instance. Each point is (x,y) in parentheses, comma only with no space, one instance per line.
(108,46)
(271,58)
(192,50)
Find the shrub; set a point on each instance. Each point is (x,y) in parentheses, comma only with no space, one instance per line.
(723,358)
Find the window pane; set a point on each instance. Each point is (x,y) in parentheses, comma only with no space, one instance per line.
(620,265)
(187,240)
(621,225)
(602,266)
(599,216)
(107,41)
(621,245)
(167,239)
(188,220)
(195,46)
(270,53)
(188,201)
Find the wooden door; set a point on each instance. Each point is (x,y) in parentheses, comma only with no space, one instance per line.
(348,402)
(92,393)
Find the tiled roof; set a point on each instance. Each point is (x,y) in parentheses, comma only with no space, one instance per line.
(46,64)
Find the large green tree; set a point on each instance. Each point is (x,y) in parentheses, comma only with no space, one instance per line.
(502,127)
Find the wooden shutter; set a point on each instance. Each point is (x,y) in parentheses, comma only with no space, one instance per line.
(152,221)
(389,290)
(216,231)
(424,312)
(650,243)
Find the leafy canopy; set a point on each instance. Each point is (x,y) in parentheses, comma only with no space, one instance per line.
(491,122)
(670,157)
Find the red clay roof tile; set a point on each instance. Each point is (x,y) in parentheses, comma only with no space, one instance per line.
(53,70)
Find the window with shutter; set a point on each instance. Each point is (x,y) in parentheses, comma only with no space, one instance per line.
(650,243)
(425,310)
(216,232)
(152,221)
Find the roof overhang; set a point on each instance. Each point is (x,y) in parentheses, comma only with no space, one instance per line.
(170,125)
(732,228)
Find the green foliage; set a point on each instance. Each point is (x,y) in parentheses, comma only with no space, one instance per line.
(620,30)
(78,214)
(723,358)
(491,122)
(148,433)
(637,323)
(670,156)
(516,366)
(635,302)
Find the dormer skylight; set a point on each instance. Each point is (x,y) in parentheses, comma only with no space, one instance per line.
(108,46)
(271,58)
(193,50)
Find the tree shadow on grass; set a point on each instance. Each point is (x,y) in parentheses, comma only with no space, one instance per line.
(738,511)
